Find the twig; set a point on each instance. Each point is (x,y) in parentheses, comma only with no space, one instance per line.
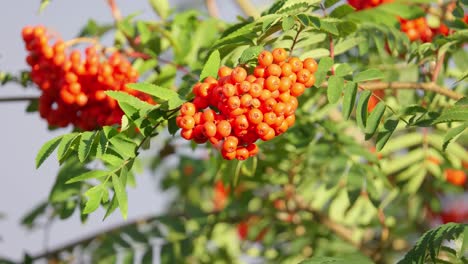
(295,40)
(115,10)
(432,87)
(75,41)
(19,99)
(212,8)
(332,46)
(438,67)
(248,8)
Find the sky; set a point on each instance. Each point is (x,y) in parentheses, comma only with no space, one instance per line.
(22,134)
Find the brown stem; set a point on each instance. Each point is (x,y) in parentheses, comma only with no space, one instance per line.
(438,67)
(75,41)
(248,8)
(212,8)
(295,40)
(432,87)
(115,10)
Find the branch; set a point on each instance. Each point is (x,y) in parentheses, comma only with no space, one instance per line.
(19,99)
(115,10)
(248,8)
(430,86)
(212,8)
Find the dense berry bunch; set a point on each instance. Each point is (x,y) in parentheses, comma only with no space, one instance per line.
(364,4)
(418,29)
(73,87)
(236,110)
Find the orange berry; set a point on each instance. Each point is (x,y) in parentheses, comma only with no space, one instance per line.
(244,87)
(270,134)
(266,94)
(303,76)
(255,90)
(67,97)
(246,100)
(291,119)
(223,128)
(253,149)
(228,155)
(272,83)
(238,74)
(255,116)
(279,55)
(187,134)
(456,177)
(188,108)
(208,115)
(269,118)
(282,127)
(262,128)
(250,78)
(310,82)
(81,99)
(242,153)
(286,69)
(224,71)
(241,122)
(186,122)
(273,70)
(265,58)
(230,144)
(285,84)
(233,102)
(310,64)
(296,64)
(269,104)
(259,71)
(255,103)
(209,129)
(297,89)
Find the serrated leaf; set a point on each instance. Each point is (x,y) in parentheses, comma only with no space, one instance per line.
(329,27)
(123,145)
(373,120)
(211,65)
(66,144)
(361,109)
(171,97)
(384,134)
(335,88)
(46,150)
(429,244)
(329,3)
(251,53)
(121,194)
(94,195)
(455,113)
(315,53)
(287,23)
(94,174)
(402,10)
(44,4)
(86,144)
(349,98)
(452,133)
(368,75)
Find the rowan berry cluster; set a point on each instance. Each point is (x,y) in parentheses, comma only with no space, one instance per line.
(73,87)
(418,29)
(239,108)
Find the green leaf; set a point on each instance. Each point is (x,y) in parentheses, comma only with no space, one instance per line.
(361,109)
(349,98)
(315,53)
(163,94)
(373,120)
(123,97)
(452,133)
(211,66)
(324,66)
(368,75)
(86,144)
(343,70)
(335,88)
(329,3)
(44,4)
(455,113)
(65,147)
(121,195)
(249,54)
(46,150)
(402,10)
(288,23)
(94,174)
(29,219)
(342,11)
(384,134)
(429,244)
(123,145)
(94,195)
(160,7)
(329,27)
(347,44)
